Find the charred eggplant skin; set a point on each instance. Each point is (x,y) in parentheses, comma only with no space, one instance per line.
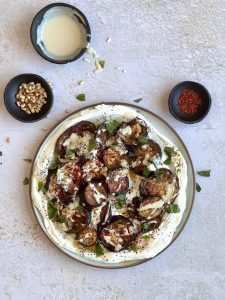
(150,213)
(102,135)
(117,185)
(87,237)
(81,219)
(79,128)
(152,224)
(132,208)
(118,235)
(104,216)
(94,170)
(91,190)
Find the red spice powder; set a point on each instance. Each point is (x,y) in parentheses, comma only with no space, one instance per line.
(189,102)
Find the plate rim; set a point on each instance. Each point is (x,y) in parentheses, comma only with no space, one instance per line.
(177,233)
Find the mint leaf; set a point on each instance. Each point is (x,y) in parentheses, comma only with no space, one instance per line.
(99,251)
(158,174)
(204,173)
(26,181)
(41,187)
(51,210)
(111,127)
(145,171)
(144,226)
(173,209)
(79,209)
(138,100)
(145,237)
(121,198)
(102,63)
(143,139)
(29,160)
(134,247)
(169,152)
(92,145)
(70,153)
(81,97)
(198,188)
(54,163)
(61,219)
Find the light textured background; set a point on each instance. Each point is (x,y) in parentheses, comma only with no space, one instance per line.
(159,43)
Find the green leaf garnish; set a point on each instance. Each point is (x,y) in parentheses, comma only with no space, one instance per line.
(121,198)
(111,127)
(145,237)
(61,219)
(102,63)
(70,153)
(54,163)
(173,209)
(145,172)
(169,152)
(0,153)
(198,188)
(143,139)
(92,145)
(138,100)
(51,210)
(144,226)
(29,160)
(41,187)
(158,174)
(81,97)
(79,209)
(99,251)
(134,247)
(204,173)
(26,181)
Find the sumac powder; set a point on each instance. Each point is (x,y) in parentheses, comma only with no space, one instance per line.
(189,102)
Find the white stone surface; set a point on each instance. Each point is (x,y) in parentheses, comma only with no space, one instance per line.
(159,43)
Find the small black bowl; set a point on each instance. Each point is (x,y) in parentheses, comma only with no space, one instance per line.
(37,21)
(12,89)
(202,110)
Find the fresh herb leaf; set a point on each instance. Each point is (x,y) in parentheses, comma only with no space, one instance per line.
(169,152)
(79,209)
(61,219)
(198,188)
(81,97)
(145,171)
(54,163)
(99,251)
(142,139)
(138,100)
(0,153)
(158,174)
(51,210)
(102,63)
(145,237)
(173,209)
(144,226)
(134,247)
(70,153)
(26,181)
(41,187)
(111,127)
(92,145)
(29,160)
(121,198)
(204,173)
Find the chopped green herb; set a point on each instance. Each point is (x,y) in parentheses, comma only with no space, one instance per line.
(198,188)
(79,209)
(70,153)
(142,139)
(29,160)
(204,173)
(0,153)
(111,127)
(145,172)
(51,210)
(92,145)
(121,198)
(169,152)
(41,187)
(26,181)
(145,237)
(138,100)
(144,226)
(134,247)
(61,219)
(102,63)
(81,97)
(173,209)
(158,174)
(54,163)
(99,250)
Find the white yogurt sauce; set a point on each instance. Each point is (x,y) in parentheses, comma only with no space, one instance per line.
(60,35)
(158,240)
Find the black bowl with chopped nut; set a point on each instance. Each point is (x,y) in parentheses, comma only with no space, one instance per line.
(28,97)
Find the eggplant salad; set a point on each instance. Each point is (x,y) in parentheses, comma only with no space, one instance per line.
(108,186)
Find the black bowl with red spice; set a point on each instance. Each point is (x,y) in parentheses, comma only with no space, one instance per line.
(189,102)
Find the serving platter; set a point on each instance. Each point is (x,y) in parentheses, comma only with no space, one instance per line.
(101,112)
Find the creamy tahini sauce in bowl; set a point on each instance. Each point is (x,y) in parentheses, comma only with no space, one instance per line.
(171,225)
